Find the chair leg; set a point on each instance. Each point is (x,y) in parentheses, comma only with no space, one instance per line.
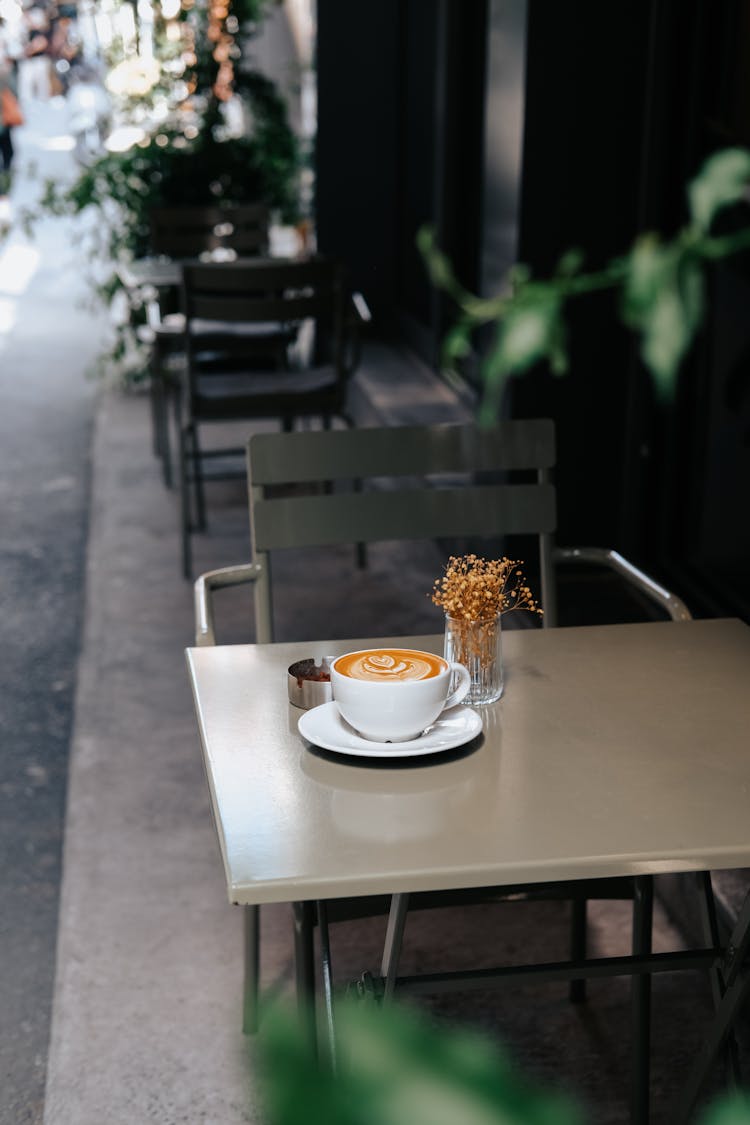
(394,938)
(643,901)
(712,937)
(327,972)
(577,989)
(251,979)
(197,469)
(156,403)
(185,524)
(166,445)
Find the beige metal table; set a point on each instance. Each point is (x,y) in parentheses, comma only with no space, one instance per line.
(615,750)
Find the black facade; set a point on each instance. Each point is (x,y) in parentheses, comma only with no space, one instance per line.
(620,104)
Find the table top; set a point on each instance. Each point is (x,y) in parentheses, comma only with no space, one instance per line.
(615,750)
(163,272)
(160,272)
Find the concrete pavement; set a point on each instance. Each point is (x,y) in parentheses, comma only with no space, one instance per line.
(47,342)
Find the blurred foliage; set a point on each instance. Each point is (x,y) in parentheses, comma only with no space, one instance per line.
(735,1110)
(171,169)
(190,152)
(396,1068)
(659,283)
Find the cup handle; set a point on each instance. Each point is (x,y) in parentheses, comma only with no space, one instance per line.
(462,687)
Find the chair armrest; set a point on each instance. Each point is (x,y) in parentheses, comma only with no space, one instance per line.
(152,304)
(361,307)
(203,596)
(359,314)
(600,556)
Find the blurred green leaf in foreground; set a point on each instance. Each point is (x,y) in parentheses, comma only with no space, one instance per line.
(397,1068)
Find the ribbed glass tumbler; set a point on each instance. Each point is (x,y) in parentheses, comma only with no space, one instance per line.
(478,646)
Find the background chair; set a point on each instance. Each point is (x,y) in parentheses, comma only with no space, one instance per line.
(189,232)
(459,484)
(265,339)
(180,233)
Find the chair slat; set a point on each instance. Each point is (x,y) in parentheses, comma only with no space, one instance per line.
(325,520)
(260,275)
(188,231)
(251,309)
(401,451)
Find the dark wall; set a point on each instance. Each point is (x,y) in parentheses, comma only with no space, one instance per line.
(357,147)
(400,110)
(586,89)
(623,101)
(623,104)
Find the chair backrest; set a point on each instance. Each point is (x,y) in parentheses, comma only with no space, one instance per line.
(263,289)
(188,232)
(432,482)
(271,291)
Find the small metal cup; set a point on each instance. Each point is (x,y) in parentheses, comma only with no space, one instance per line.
(309,684)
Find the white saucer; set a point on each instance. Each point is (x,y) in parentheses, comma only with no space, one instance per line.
(323,726)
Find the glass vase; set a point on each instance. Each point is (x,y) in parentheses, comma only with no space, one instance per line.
(478,646)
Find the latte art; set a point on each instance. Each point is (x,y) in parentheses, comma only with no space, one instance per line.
(389,665)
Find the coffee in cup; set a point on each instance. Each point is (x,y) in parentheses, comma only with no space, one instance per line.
(394,694)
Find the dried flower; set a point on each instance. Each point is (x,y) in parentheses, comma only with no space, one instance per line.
(477,589)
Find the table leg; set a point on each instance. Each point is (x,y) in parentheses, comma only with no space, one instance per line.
(251,981)
(578,936)
(736,979)
(304,963)
(643,897)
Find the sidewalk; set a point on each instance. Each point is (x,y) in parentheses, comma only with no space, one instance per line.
(47,341)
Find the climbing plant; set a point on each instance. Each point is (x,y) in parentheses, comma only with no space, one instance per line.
(204,126)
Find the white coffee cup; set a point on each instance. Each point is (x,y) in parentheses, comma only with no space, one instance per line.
(394,694)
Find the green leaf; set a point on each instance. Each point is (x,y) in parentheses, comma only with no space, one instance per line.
(722,180)
(671,323)
(570,263)
(457,344)
(532,329)
(397,1069)
(557,353)
(734,1110)
(649,268)
(518,275)
(438,265)
(529,327)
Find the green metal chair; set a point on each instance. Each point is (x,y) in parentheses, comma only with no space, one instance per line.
(177,234)
(242,370)
(425,482)
(189,232)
